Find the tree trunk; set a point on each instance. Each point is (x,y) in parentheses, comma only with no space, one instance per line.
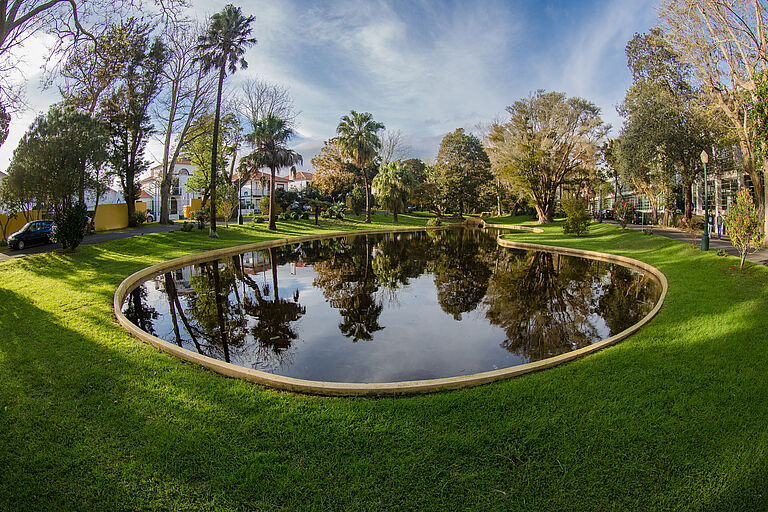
(165,199)
(214,154)
(688,200)
(272,225)
(367,196)
(394,214)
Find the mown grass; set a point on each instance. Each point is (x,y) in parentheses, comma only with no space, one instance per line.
(673,418)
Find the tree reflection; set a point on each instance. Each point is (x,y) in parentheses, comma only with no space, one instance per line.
(217,320)
(139,311)
(461,270)
(273,330)
(349,284)
(628,297)
(543,302)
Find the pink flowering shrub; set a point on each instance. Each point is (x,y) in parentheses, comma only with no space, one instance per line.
(742,224)
(623,211)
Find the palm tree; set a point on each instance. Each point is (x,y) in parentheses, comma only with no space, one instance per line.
(358,139)
(222,47)
(393,183)
(270,136)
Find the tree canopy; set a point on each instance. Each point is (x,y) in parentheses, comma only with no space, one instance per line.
(547,138)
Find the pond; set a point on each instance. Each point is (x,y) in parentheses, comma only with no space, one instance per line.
(391,307)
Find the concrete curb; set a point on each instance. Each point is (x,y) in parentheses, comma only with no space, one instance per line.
(378,388)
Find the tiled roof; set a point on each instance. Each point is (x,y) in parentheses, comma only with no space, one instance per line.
(144,195)
(304,176)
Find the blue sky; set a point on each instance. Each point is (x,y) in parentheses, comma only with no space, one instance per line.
(422,67)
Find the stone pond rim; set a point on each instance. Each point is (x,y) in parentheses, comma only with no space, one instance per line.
(375,388)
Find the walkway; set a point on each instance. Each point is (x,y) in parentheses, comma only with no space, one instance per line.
(760,257)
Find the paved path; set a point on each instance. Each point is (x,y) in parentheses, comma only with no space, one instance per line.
(760,257)
(94,238)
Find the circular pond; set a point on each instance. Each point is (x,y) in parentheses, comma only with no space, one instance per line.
(401,306)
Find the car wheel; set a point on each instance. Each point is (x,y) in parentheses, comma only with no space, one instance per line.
(20,245)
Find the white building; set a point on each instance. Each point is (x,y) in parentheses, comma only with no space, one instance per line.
(180,196)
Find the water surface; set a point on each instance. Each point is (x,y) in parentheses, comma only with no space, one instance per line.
(393,307)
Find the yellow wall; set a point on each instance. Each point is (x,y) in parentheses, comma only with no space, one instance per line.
(16,223)
(195,204)
(114,216)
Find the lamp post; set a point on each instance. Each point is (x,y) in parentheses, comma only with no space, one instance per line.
(705,236)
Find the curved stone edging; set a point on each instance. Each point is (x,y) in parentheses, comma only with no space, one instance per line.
(377,388)
(515,226)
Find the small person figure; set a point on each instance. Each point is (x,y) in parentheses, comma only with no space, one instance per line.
(719,225)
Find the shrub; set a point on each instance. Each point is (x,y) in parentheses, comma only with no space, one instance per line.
(258,219)
(295,215)
(201,216)
(623,212)
(434,222)
(70,226)
(742,223)
(577,219)
(137,219)
(305,216)
(187,227)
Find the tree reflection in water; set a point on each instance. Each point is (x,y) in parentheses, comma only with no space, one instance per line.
(217,320)
(139,311)
(542,306)
(349,284)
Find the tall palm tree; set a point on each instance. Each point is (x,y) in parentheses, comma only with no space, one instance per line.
(359,141)
(270,136)
(222,47)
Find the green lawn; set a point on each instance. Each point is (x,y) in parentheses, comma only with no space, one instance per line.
(674,418)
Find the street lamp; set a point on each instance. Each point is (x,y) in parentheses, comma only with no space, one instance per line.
(705,236)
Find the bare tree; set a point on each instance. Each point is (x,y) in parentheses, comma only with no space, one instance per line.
(71,22)
(726,44)
(188,93)
(393,147)
(262,99)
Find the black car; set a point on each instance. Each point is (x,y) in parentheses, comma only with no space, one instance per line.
(35,232)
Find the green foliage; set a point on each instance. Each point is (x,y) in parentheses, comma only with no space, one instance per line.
(70,226)
(743,225)
(393,184)
(434,222)
(623,211)
(462,169)
(57,159)
(547,138)
(198,151)
(137,219)
(357,200)
(187,227)
(577,218)
(258,219)
(126,114)
(264,205)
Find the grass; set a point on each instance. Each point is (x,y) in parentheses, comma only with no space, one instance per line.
(673,418)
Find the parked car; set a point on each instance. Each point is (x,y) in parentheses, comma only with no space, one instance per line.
(35,232)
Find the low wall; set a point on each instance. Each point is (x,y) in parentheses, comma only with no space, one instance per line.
(114,216)
(17,222)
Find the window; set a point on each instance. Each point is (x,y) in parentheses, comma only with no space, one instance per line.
(175,189)
(174,207)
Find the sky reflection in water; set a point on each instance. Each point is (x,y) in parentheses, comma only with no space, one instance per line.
(379,308)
